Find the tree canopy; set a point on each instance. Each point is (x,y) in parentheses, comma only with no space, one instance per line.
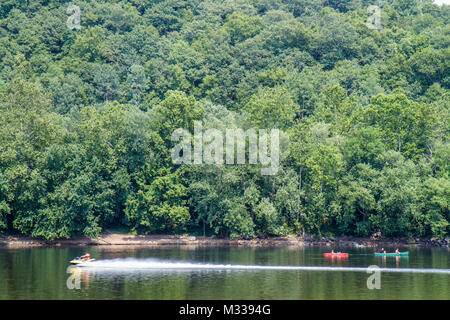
(87,116)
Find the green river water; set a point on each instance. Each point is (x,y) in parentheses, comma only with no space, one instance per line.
(203,273)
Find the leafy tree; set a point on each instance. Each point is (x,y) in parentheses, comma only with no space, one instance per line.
(137,83)
(159,204)
(67,92)
(289,202)
(338,109)
(434,197)
(87,116)
(89,44)
(363,146)
(335,40)
(237,219)
(266,217)
(356,204)
(169,15)
(271,107)
(241,27)
(406,125)
(106,82)
(430,66)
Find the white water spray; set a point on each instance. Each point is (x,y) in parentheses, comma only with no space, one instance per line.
(130,264)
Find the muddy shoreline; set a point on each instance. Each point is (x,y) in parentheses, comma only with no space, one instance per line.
(116,239)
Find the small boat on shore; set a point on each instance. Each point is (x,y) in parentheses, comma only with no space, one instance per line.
(392,254)
(335,255)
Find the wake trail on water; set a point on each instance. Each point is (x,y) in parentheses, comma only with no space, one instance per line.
(130,264)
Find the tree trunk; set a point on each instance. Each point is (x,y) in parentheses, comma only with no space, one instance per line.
(300,179)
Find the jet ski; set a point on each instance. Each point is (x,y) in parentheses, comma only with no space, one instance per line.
(79,260)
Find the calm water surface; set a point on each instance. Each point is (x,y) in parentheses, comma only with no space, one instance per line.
(218,273)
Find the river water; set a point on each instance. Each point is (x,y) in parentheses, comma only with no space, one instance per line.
(172,273)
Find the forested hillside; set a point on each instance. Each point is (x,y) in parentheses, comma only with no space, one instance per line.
(87,111)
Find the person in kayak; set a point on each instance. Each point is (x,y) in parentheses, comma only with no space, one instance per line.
(382,250)
(396,251)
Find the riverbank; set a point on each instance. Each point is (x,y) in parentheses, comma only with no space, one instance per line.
(118,239)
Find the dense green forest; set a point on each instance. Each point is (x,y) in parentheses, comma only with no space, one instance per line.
(87,113)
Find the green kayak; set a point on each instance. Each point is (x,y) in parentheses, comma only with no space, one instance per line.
(392,254)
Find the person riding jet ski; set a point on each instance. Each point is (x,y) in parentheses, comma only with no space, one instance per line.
(86,256)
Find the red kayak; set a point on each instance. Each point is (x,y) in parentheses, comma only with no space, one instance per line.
(335,255)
